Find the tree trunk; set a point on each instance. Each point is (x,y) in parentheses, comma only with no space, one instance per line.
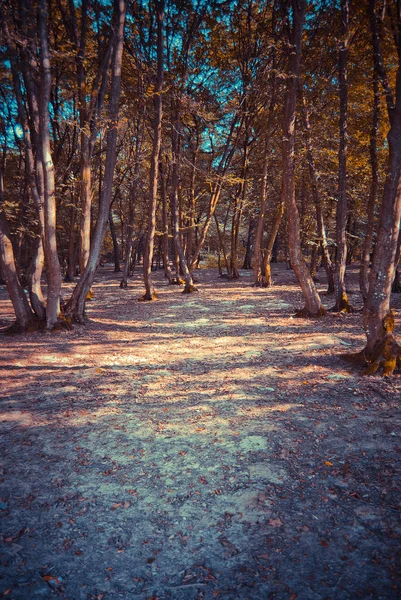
(150,292)
(342,303)
(370,227)
(75,307)
(267,280)
(248,252)
(166,253)
(133,198)
(53,271)
(313,306)
(23,313)
(116,253)
(176,152)
(257,255)
(382,350)
(320,228)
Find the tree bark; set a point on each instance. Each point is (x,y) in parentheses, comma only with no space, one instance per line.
(381,350)
(53,271)
(75,307)
(367,245)
(23,313)
(150,292)
(313,306)
(320,227)
(341,298)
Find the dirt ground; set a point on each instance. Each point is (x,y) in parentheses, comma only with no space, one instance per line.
(198,447)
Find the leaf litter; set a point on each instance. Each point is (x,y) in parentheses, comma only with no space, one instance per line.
(198,447)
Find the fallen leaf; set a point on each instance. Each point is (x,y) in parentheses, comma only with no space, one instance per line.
(328,463)
(276,522)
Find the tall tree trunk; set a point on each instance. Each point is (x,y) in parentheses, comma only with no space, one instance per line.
(176,152)
(133,198)
(320,228)
(76,305)
(53,271)
(166,253)
(257,255)
(370,227)
(313,306)
(382,349)
(150,292)
(342,303)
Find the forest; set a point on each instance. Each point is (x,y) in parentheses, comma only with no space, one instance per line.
(200,289)
(156,131)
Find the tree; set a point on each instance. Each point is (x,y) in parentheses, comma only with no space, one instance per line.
(313,306)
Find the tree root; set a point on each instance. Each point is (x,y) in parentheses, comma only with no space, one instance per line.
(189,289)
(304,313)
(148,297)
(344,306)
(177,281)
(385,357)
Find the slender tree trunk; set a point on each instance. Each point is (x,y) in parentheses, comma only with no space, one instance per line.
(320,227)
(257,255)
(75,307)
(150,292)
(176,151)
(370,228)
(53,271)
(313,306)
(116,253)
(133,198)
(23,313)
(225,161)
(166,253)
(342,303)
(267,280)
(222,246)
(248,252)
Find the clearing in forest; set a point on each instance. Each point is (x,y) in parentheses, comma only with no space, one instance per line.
(201,446)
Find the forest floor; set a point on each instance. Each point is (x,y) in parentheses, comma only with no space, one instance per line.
(198,447)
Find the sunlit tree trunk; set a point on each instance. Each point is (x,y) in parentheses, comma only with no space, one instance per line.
(53,271)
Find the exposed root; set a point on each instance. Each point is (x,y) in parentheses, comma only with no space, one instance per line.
(344,306)
(304,313)
(189,289)
(385,356)
(148,297)
(16,328)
